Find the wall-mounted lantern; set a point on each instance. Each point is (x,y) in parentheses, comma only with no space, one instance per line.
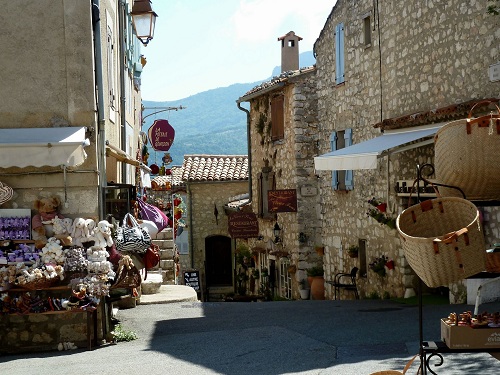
(277,233)
(143,19)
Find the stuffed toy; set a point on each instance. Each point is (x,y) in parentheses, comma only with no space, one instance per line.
(52,252)
(41,224)
(102,234)
(61,231)
(78,232)
(88,230)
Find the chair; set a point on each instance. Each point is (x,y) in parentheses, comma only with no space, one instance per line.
(346,281)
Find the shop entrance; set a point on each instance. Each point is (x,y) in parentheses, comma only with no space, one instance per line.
(219,264)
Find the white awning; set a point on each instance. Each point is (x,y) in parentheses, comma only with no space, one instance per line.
(37,147)
(364,155)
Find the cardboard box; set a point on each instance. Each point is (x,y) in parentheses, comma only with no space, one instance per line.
(460,337)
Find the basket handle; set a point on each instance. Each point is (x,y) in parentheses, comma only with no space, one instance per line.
(409,364)
(486,120)
(450,238)
(426,181)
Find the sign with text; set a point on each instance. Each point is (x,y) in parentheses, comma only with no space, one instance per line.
(161,135)
(282,200)
(243,225)
(192,279)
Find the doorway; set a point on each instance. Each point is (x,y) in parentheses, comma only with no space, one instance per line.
(219,262)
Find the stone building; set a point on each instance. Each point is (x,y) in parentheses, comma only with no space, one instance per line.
(209,182)
(283,139)
(403,68)
(69,118)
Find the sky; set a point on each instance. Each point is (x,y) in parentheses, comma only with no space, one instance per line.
(200,45)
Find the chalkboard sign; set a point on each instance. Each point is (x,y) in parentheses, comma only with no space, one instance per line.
(192,279)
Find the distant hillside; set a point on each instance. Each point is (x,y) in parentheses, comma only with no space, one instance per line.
(211,123)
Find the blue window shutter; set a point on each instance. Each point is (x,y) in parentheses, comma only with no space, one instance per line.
(349,175)
(339,53)
(333,147)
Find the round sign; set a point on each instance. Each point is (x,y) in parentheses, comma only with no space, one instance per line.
(154,169)
(161,135)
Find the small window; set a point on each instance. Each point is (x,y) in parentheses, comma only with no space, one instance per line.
(277,118)
(266,183)
(342,180)
(368,31)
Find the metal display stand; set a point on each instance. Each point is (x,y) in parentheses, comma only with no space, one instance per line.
(432,350)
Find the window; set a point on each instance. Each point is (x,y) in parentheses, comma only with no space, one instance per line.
(266,183)
(277,118)
(110,68)
(285,280)
(341,180)
(339,54)
(368,31)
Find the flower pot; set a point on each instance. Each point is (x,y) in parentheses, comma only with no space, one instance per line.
(318,288)
(320,250)
(353,255)
(304,293)
(382,207)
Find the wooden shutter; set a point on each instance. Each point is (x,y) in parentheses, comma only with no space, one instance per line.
(277,118)
(333,147)
(339,53)
(349,175)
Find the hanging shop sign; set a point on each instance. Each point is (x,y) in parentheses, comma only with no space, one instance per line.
(243,225)
(282,200)
(161,135)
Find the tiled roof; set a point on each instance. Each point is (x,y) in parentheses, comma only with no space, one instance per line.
(174,179)
(215,168)
(277,80)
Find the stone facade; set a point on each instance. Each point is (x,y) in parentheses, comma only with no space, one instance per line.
(290,160)
(419,56)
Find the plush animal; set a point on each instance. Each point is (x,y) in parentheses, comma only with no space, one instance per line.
(88,230)
(78,231)
(41,224)
(61,231)
(102,234)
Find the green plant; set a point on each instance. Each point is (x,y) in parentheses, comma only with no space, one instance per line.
(373,295)
(243,255)
(378,265)
(315,271)
(386,295)
(120,334)
(353,251)
(255,273)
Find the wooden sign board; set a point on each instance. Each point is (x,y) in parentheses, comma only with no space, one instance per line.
(192,279)
(282,200)
(243,225)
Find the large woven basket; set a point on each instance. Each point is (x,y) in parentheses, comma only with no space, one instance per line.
(467,156)
(442,240)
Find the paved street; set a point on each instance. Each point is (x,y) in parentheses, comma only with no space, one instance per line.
(294,337)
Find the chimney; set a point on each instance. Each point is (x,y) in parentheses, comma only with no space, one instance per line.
(289,51)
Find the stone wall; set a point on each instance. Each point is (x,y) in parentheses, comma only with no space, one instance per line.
(291,161)
(201,198)
(430,54)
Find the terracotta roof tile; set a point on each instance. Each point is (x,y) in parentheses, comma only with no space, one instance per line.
(174,179)
(215,168)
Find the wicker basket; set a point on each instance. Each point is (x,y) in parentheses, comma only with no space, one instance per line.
(493,262)
(41,284)
(466,156)
(442,240)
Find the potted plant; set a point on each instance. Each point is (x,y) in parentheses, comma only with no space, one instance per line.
(353,251)
(378,265)
(317,282)
(303,289)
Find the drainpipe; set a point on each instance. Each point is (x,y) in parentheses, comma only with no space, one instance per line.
(250,197)
(191,228)
(101,135)
(122,13)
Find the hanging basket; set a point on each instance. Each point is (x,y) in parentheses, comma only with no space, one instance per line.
(466,156)
(442,240)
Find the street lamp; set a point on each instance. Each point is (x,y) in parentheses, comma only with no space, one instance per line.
(143,19)
(277,233)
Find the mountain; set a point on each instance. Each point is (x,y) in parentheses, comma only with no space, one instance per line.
(211,123)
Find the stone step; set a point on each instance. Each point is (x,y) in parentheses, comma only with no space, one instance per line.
(165,234)
(166,254)
(152,283)
(164,244)
(167,264)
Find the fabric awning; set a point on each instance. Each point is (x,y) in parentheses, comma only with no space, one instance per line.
(364,155)
(38,147)
(121,156)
